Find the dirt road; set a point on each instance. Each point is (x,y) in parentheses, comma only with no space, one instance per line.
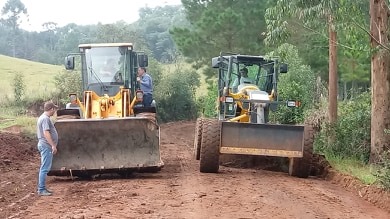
(179,191)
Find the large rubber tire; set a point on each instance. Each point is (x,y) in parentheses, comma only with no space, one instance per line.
(209,150)
(301,167)
(198,137)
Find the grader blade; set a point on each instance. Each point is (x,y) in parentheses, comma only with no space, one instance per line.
(95,146)
(262,139)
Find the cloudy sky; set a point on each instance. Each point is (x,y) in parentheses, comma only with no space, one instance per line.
(84,12)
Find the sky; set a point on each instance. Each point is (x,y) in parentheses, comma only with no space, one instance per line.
(84,12)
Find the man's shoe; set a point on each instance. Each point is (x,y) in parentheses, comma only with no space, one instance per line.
(44,193)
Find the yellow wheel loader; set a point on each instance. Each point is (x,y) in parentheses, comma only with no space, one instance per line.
(107,130)
(247,91)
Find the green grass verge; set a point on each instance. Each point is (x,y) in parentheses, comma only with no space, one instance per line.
(365,173)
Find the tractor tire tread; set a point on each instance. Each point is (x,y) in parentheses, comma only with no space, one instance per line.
(209,151)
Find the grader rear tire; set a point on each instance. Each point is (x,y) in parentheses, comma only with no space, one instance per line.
(301,167)
(198,137)
(209,150)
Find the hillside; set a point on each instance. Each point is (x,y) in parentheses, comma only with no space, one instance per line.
(38,77)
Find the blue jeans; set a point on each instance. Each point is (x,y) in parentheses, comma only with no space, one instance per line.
(46,160)
(147,100)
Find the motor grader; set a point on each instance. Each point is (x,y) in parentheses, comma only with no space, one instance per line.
(243,126)
(107,129)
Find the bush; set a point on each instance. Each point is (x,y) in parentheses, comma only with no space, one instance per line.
(18,86)
(66,83)
(208,104)
(297,84)
(383,174)
(352,130)
(175,96)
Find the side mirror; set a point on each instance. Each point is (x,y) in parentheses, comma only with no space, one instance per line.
(283,68)
(143,60)
(69,62)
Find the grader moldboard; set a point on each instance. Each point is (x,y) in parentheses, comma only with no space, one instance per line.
(109,130)
(242,126)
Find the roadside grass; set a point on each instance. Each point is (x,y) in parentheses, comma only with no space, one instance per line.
(365,173)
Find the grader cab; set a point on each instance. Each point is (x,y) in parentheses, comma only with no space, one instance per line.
(247,92)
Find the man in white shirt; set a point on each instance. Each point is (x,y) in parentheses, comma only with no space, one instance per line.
(243,80)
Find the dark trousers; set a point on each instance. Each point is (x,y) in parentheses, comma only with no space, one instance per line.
(147,100)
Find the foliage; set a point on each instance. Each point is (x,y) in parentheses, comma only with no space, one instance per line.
(383,174)
(154,25)
(155,70)
(66,83)
(352,131)
(314,15)
(297,84)
(207,104)
(306,24)
(175,96)
(13,11)
(230,26)
(19,86)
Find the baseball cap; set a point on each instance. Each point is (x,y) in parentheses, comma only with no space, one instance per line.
(49,105)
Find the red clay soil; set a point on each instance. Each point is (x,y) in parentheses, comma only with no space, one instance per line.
(179,190)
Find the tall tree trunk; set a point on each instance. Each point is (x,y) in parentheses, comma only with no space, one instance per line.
(380,79)
(332,109)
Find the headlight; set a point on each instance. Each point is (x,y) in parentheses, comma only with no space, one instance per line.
(292,103)
(229,100)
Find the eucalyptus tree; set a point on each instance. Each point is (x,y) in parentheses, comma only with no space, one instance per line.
(380,83)
(335,15)
(12,13)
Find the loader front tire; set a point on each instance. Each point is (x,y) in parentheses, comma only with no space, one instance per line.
(198,137)
(301,167)
(209,150)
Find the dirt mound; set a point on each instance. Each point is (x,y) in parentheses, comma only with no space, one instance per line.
(15,150)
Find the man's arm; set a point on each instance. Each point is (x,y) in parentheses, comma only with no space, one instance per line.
(47,135)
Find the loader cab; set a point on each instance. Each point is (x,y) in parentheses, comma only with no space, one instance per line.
(106,67)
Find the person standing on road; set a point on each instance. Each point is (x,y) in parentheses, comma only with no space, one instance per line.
(47,145)
(146,85)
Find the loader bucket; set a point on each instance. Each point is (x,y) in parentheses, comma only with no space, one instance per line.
(262,139)
(95,146)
